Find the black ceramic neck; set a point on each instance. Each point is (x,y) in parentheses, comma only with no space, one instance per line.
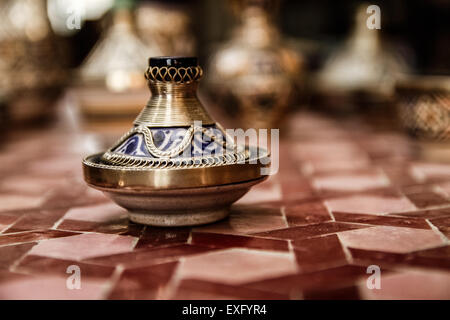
(177,62)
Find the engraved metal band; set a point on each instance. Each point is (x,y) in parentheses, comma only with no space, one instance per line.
(172,74)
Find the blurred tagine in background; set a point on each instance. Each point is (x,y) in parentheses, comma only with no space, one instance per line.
(111,84)
(169,26)
(254,75)
(361,74)
(31,62)
(176,166)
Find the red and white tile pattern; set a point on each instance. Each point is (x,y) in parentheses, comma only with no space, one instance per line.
(345,197)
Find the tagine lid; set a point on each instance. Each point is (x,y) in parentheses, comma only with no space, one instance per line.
(174,143)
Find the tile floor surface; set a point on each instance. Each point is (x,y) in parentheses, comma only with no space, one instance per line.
(345,197)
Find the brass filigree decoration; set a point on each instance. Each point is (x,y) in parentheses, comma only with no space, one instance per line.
(170,158)
(172,74)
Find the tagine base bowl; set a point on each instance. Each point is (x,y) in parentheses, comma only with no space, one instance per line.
(175,197)
(179,207)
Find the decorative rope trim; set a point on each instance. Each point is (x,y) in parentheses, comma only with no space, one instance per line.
(175,75)
(195,162)
(232,155)
(148,139)
(150,144)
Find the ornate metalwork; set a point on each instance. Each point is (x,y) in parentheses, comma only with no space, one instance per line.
(173,113)
(424,106)
(169,170)
(171,158)
(175,75)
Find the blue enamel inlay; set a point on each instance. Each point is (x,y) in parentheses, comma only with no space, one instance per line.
(168,138)
(134,146)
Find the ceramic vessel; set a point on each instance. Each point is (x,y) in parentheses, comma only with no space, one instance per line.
(110,85)
(33,72)
(176,166)
(255,74)
(361,73)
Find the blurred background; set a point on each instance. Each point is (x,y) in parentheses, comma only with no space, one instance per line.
(421,28)
(81,63)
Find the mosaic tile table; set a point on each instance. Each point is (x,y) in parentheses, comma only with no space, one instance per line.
(345,197)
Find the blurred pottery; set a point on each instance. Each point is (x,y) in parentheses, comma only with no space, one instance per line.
(33,63)
(360,74)
(3,116)
(168,26)
(4,86)
(255,75)
(176,166)
(110,85)
(424,109)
